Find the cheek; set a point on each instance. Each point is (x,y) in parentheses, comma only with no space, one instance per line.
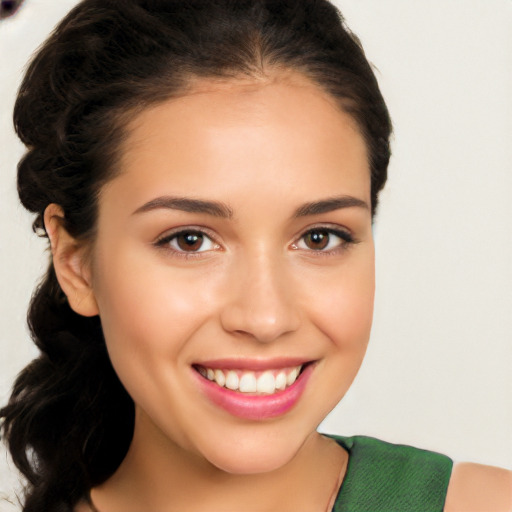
(344,315)
(148,314)
(150,310)
(344,311)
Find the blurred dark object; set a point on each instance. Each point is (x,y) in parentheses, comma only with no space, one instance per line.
(9,7)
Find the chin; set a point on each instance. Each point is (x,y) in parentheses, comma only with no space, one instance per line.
(264,452)
(262,461)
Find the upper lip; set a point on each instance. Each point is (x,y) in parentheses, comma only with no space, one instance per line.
(253,364)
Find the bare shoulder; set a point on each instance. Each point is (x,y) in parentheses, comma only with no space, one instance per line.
(478,488)
(83,507)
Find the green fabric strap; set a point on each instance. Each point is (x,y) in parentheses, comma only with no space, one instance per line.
(383,477)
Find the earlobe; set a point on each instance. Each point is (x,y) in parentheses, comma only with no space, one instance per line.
(69,261)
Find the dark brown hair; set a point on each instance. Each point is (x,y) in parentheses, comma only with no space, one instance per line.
(69,421)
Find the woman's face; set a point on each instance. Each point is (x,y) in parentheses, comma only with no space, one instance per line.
(236,245)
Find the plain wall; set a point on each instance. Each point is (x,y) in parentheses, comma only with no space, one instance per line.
(438,370)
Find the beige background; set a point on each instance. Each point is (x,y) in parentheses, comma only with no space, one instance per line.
(438,371)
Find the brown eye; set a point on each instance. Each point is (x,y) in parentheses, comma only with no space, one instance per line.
(189,241)
(317,240)
(324,240)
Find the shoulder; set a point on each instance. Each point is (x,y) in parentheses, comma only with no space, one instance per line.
(478,488)
(83,507)
(386,476)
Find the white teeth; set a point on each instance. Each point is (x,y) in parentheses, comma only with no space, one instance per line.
(280,381)
(266,383)
(232,380)
(220,378)
(292,376)
(248,383)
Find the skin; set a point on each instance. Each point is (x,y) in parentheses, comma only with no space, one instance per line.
(256,291)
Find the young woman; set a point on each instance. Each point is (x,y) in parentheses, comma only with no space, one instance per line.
(207,175)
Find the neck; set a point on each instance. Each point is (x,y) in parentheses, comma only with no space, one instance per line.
(159,475)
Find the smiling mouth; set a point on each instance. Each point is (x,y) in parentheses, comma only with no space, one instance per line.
(266,382)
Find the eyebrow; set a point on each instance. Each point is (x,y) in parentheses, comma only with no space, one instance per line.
(218,209)
(329,205)
(185,204)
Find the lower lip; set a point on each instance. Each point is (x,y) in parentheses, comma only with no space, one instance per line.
(256,407)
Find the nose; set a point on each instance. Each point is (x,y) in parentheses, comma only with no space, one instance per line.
(260,302)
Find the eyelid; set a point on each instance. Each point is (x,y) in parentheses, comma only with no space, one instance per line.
(346,236)
(163,240)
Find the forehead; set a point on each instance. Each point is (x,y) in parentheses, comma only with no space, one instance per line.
(288,133)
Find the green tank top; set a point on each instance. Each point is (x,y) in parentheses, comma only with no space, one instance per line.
(384,477)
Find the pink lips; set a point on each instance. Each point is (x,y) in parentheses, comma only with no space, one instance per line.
(255,407)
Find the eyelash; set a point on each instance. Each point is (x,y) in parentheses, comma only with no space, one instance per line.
(346,239)
(165,241)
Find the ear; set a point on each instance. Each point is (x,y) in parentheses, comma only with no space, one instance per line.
(71,264)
